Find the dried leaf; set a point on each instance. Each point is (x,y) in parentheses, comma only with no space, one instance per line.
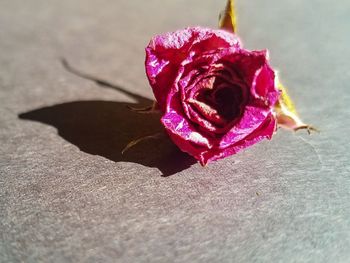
(227,18)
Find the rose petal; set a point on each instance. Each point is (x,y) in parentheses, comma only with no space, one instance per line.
(166,52)
(247,63)
(265,130)
(263,86)
(252,118)
(175,123)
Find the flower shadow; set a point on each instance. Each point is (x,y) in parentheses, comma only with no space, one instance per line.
(104,128)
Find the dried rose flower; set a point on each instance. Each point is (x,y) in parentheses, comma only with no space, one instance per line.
(216,97)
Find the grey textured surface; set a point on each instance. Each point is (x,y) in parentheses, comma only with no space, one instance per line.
(67,194)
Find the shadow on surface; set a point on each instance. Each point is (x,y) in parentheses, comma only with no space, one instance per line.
(105,127)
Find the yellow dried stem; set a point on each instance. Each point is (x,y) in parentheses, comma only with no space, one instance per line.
(227,18)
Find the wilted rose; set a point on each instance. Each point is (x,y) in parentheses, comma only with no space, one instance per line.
(216,97)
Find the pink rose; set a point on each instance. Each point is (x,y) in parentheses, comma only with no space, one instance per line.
(216,97)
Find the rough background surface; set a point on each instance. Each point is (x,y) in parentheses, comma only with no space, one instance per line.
(68,195)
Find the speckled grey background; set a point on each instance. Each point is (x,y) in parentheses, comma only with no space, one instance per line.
(68,195)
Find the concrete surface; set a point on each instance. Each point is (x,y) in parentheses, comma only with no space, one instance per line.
(68,195)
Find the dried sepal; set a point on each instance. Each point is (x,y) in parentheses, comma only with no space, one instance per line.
(227,18)
(286,114)
(152,109)
(144,138)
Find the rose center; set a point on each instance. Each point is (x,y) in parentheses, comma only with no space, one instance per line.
(228,102)
(226,99)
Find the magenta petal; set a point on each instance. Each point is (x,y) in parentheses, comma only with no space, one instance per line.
(248,62)
(252,118)
(166,52)
(263,86)
(266,130)
(179,126)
